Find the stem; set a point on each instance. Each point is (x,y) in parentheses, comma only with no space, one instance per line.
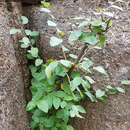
(79,58)
(64,55)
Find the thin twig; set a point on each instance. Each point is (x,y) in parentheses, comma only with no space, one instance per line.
(64,55)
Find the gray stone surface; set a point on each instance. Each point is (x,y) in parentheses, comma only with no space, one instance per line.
(12,98)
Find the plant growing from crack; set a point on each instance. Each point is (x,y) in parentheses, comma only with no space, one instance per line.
(57,86)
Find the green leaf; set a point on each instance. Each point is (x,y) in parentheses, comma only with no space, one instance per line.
(54,128)
(50,68)
(97,22)
(91,96)
(63,104)
(30,106)
(29,56)
(121,90)
(90,80)
(46,4)
(27,32)
(33,124)
(100,94)
(63,114)
(60,94)
(68,98)
(75,109)
(75,74)
(125,82)
(100,69)
(110,23)
(48,122)
(43,105)
(14,31)
(100,10)
(80,109)
(90,39)
(86,64)
(60,71)
(49,99)
(54,41)
(33,41)
(85,85)
(34,52)
(38,62)
(25,40)
(51,23)
(56,102)
(62,34)
(45,10)
(69,127)
(102,40)
(74,36)
(48,72)
(66,63)
(75,83)
(24,19)
(73,56)
(64,48)
(111,90)
(31,33)
(34,33)
(24,45)
(84,23)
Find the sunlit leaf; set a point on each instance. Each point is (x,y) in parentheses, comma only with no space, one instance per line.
(50,68)
(121,90)
(73,56)
(100,94)
(34,33)
(46,4)
(64,48)
(14,31)
(56,102)
(38,62)
(66,63)
(25,40)
(30,106)
(51,23)
(125,82)
(54,41)
(91,81)
(89,38)
(74,36)
(43,105)
(111,90)
(100,69)
(34,51)
(24,19)
(83,24)
(91,96)
(102,40)
(86,64)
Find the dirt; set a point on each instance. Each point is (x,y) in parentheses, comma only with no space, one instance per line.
(113,113)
